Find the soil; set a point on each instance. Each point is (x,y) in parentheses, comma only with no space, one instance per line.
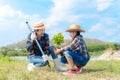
(110,54)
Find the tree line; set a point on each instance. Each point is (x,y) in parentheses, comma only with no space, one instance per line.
(94,49)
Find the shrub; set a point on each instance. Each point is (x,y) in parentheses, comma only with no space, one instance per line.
(12,53)
(58,39)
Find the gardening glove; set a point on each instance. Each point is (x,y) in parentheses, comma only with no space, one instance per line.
(33,36)
(45,58)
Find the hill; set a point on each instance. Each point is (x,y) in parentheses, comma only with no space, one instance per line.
(22,44)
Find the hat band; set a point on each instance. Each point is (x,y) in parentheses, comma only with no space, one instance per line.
(70,30)
(39,28)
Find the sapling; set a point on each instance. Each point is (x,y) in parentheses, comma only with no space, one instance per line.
(58,40)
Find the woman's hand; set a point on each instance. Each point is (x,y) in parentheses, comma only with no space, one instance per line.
(33,36)
(57,51)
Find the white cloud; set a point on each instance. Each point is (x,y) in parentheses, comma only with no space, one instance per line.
(96,27)
(103,4)
(10,18)
(110,20)
(63,12)
(118,26)
(7,11)
(12,24)
(60,12)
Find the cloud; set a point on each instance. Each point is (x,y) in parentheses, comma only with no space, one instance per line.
(12,24)
(96,27)
(110,20)
(8,16)
(7,11)
(107,29)
(61,12)
(118,26)
(15,18)
(111,35)
(103,4)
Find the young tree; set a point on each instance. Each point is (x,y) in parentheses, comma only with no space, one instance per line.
(58,39)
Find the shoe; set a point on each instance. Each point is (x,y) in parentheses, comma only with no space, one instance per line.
(79,69)
(60,68)
(58,65)
(30,67)
(70,72)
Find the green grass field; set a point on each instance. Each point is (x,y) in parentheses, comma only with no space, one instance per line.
(94,70)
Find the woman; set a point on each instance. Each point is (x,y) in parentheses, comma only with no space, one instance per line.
(35,56)
(76,53)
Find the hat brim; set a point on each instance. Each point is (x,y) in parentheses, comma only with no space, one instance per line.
(71,30)
(39,28)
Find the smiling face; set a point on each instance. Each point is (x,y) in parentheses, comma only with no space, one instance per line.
(39,29)
(73,34)
(40,32)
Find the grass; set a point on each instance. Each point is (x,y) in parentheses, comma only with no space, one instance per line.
(94,70)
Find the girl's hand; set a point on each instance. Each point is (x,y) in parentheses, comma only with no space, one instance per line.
(57,51)
(33,36)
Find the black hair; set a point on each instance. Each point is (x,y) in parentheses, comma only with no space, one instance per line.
(78,33)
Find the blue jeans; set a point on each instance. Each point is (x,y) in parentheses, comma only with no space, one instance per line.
(78,58)
(38,61)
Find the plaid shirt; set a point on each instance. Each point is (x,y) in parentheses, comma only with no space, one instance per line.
(44,43)
(77,44)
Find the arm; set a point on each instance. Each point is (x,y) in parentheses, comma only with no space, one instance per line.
(71,46)
(30,44)
(47,45)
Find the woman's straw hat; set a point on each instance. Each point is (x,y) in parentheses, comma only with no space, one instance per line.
(38,25)
(75,27)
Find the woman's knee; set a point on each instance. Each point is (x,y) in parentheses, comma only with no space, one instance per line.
(68,53)
(51,50)
(51,47)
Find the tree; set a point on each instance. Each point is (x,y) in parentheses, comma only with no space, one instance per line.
(58,39)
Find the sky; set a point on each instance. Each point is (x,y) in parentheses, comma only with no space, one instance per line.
(99,18)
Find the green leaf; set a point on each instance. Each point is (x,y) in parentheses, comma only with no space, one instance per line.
(58,39)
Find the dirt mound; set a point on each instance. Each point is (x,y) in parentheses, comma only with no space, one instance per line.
(110,54)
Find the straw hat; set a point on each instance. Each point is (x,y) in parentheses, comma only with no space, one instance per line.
(75,27)
(38,25)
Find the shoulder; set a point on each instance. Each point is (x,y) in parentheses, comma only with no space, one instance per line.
(46,35)
(78,38)
(81,39)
